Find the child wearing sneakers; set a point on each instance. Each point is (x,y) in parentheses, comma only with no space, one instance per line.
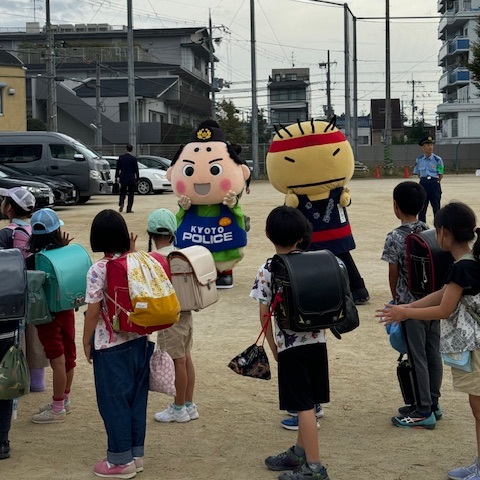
(177,340)
(121,360)
(58,336)
(303,380)
(422,338)
(458,305)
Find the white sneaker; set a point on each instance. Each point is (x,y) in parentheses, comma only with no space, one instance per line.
(171,414)
(192,411)
(49,416)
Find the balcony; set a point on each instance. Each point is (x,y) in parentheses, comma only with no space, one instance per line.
(457,78)
(452,20)
(453,47)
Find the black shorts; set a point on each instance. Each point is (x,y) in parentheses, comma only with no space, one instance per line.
(303,377)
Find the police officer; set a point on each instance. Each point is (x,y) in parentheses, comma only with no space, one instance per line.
(429,167)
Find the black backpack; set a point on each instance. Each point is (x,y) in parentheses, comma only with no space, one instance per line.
(427,263)
(13,285)
(311,292)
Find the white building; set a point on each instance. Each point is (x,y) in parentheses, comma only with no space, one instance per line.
(459,114)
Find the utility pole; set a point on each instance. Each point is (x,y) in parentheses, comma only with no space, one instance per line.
(413,82)
(212,67)
(256,169)
(98,112)
(329,111)
(387,147)
(132,125)
(388,99)
(52,121)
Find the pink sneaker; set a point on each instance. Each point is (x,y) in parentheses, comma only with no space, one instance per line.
(103,469)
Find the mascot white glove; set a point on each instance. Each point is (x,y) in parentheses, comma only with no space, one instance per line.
(184,202)
(230,199)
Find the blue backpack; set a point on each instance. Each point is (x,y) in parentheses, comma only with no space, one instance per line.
(397,341)
(66,271)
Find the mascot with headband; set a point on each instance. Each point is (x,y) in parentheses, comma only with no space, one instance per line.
(311,162)
(207,176)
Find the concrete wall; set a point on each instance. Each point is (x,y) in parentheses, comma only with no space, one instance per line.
(459,156)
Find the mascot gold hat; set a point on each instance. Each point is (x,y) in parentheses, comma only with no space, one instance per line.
(309,158)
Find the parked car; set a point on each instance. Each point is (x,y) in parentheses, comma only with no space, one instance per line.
(57,155)
(44,196)
(151,180)
(151,161)
(65,192)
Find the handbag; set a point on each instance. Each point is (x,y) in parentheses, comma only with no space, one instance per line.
(14,373)
(253,362)
(162,373)
(460,360)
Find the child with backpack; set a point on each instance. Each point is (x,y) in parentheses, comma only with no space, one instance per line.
(177,340)
(422,339)
(120,359)
(458,305)
(18,205)
(302,358)
(58,336)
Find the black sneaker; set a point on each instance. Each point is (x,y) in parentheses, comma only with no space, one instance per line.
(4,450)
(120,208)
(305,473)
(288,460)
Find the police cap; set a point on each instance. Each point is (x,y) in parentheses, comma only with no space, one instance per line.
(425,140)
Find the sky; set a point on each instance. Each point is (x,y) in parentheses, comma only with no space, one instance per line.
(288,33)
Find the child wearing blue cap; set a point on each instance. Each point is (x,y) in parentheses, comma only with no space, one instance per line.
(177,340)
(58,336)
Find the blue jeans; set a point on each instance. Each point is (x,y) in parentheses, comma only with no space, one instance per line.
(121,382)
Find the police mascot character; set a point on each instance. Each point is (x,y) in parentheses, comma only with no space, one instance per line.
(311,162)
(207,176)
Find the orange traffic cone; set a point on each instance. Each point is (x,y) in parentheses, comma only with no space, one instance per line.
(377,172)
(407,173)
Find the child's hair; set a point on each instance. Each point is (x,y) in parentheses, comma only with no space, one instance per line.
(286,226)
(459,219)
(18,211)
(410,197)
(109,233)
(47,241)
(153,236)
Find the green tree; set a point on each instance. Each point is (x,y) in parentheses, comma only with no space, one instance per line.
(263,134)
(35,124)
(474,65)
(184,132)
(230,123)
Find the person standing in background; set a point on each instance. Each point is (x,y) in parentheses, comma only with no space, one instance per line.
(127,175)
(429,167)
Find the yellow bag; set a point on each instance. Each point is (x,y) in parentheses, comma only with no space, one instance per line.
(152,294)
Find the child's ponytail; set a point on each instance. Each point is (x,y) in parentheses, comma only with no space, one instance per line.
(476,245)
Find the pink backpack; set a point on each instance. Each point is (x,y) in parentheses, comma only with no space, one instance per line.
(20,236)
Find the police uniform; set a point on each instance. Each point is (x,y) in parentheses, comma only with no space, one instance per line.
(429,169)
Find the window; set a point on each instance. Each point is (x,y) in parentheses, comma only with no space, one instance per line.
(288,95)
(123,110)
(175,119)
(278,77)
(1,99)
(197,63)
(65,152)
(290,76)
(20,153)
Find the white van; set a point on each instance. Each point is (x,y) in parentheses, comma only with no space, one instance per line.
(56,154)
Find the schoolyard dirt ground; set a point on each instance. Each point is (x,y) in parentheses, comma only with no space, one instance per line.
(239,422)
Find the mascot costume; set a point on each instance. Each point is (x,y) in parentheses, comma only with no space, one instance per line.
(311,162)
(207,176)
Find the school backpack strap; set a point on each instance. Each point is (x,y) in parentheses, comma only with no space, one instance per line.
(20,237)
